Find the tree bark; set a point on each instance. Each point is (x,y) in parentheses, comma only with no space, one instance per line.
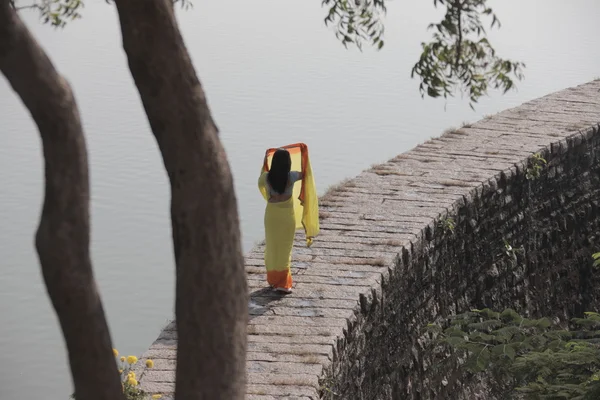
(62,238)
(211,300)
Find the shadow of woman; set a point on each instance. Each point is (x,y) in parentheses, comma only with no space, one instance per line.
(260,301)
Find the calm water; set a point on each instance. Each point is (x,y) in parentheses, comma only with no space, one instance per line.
(274,75)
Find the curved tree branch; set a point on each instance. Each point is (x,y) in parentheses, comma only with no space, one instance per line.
(211,300)
(62,239)
(32,6)
(459,30)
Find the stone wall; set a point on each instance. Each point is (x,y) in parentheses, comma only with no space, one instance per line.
(552,222)
(387,263)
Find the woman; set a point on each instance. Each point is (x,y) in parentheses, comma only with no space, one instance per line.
(280,220)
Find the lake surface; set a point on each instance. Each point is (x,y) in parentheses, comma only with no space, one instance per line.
(274,74)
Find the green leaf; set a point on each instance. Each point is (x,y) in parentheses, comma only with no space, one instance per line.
(454,331)
(486,326)
(483,359)
(510,315)
(454,341)
(510,352)
(498,350)
(486,312)
(543,323)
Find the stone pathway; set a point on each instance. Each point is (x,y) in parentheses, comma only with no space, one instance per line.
(365,224)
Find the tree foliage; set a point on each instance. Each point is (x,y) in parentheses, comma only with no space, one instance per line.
(535,166)
(596,257)
(458,58)
(58,12)
(357,21)
(526,358)
(55,12)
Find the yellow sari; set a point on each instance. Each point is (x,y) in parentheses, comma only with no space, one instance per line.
(282,219)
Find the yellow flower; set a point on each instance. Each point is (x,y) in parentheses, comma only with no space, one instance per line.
(131,375)
(132,381)
(156,396)
(149,363)
(122,359)
(132,359)
(116,352)
(120,371)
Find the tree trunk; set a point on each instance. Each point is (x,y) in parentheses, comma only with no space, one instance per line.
(211,300)
(62,238)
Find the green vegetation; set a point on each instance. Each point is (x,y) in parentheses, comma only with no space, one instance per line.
(58,12)
(129,379)
(524,358)
(596,257)
(511,253)
(447,225)
(535,166)
(527,358)
(459,57)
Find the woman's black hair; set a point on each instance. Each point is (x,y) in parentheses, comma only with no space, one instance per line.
(280,170)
